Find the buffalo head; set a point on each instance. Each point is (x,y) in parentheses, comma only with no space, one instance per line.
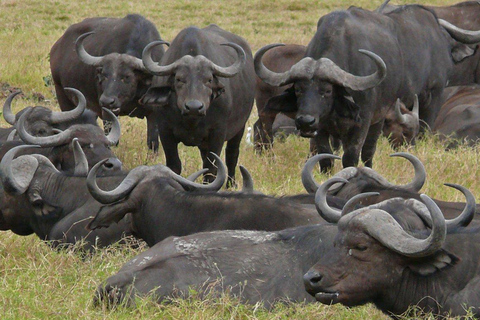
(194,79)
(401,125)
(318,88)
(120,77)
(43,121)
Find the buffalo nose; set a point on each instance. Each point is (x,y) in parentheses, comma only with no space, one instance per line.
(312,280)
(194,107)
(106,101)
(304,121)
(113,164)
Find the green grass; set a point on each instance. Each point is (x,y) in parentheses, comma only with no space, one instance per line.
(38,283)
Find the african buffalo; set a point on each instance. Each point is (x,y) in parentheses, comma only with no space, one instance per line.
(279,59)
(203,89)
(374,259)
(37,198)
(42,121)
(242,263)
(173,212)
(107,67)
(338,92)
(459,118)
(401,126)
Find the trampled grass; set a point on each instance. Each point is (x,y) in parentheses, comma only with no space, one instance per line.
(38,283)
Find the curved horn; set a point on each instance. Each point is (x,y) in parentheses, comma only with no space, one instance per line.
(11,181)
(120,192)
(328,213)
(194,176)
(114,136)
(468,212)
(7,108)
(64,116)
(464,36)
(329,70)
(247,180)
(153,66)
(45,142)
(420,173)
(308,181)
(83,55)
(401,118)
(352,203)
(381,226)
(81,162)
(272,78)
(12,135)
(214,186)
(416,107)
(228,72)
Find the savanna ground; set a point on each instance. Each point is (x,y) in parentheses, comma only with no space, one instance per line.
(38,283)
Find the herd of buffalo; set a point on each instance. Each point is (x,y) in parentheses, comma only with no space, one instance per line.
(353,239)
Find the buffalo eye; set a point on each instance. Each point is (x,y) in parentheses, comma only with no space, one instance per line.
(179,81)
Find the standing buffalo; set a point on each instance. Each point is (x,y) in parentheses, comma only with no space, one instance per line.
(106,66)
(204,92)
(374,259)
(339,92)
(279,59)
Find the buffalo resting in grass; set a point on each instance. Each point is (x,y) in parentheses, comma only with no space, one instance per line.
(375,259)
(203,90)
(355,67)
(101,58)
(254,266)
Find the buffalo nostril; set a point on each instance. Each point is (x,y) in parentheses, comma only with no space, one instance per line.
(113,164)
(194,106)
(312,280)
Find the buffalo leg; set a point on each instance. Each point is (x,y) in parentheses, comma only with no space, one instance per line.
(231,156)
(321,144)
(353,141)
(152,132)
(429,110)
(170,147)
(370,144)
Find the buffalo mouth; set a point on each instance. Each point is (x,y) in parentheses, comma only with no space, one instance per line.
(308,133)
(327,297)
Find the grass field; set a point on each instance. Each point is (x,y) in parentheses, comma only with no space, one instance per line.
(38,283)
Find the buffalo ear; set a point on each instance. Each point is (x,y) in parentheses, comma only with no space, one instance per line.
(156,96)
(23,169)
(345,107)
(431,264)
(461,51)
(217,88)
(109,214)
(284,102)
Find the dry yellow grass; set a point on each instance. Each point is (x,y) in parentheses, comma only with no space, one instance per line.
(38,283)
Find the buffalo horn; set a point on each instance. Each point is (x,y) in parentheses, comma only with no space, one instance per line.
(81,162)
(50,141)
(468,212)
(64,116)
(7,108)
(328,70)
(464,36)
(272,78)
(328,213)
(401,118)
(308,181)
(12,135)
(153,66)
(353,201)
(228,72)
(381,226)
(247,180)
(420,173)
(194,176)
(83,55)
(114,136)
(416,107)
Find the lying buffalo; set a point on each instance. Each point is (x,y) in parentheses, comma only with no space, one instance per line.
(203,90)
(243,263)
(374,259)
(101,57)
(459,119)
(355,67)
(401,125)
(174,212)
(37,198)
(43,121)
